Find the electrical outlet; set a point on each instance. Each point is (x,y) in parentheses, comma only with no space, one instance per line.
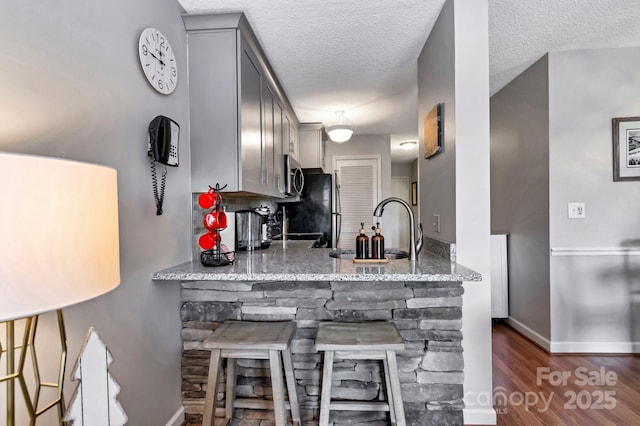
(576,210)
(436,222)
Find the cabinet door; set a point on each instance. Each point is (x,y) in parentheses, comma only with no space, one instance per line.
(250,122)
(286,134)
(268,138)
(278,159)
(311,145)
(213,93)
(293,141)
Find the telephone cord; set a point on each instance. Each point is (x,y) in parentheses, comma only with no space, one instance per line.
(158,194)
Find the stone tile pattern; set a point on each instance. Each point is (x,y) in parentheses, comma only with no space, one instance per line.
(427,314)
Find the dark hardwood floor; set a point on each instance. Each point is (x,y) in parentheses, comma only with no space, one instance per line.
(532,387)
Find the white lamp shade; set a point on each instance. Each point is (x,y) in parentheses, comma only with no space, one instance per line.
(409,145)
(59,240)
(340,129)
(340,134)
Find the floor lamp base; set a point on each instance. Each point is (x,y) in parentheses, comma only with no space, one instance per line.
(15,370)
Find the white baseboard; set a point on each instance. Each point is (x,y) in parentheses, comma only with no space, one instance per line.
(476,416)
(596,347)
(552,346)
(536,337)
(177,418)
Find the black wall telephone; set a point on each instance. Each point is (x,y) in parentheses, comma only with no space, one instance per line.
(162,148)
(163,140)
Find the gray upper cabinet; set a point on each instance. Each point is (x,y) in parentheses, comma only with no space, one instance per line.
(291,138)
(252,173)
(278,141)
(312,145)
(268,132)
(238,111)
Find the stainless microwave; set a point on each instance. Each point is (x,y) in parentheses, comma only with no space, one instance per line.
(293,176)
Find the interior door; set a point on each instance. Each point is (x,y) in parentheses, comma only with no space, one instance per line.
(360,189)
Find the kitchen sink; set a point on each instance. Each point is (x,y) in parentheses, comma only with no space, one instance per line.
(350,254)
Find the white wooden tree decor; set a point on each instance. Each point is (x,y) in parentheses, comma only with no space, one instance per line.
(94,401)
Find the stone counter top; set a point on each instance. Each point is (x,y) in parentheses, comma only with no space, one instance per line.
(299,262)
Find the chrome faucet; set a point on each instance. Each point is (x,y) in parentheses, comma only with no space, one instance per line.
(414,249)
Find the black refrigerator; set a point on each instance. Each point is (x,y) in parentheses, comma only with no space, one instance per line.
(313,217)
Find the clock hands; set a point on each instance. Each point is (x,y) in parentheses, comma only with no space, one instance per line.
(162,64)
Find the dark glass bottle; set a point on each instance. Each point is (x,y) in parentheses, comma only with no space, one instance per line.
(377,243)
(362,244)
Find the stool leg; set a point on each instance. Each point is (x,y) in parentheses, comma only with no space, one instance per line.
(291,387)
(278,388)
(387,384)
(395,388)
(231,390)
(212,388)
(325,401)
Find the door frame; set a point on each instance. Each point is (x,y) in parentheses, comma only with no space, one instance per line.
(376,157)
(378,161)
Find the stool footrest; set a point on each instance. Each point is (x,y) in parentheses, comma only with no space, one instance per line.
(368,355)
(358,406)
(256,404)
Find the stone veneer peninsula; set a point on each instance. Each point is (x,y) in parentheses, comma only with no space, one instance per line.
(423,299)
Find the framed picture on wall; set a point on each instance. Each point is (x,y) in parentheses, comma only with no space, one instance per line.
(626,148)
(432,128)
(414,193)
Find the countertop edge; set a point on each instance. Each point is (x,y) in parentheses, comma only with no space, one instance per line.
(298,262)
(212,276)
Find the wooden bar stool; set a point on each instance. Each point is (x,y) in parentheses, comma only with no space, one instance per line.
(252,340)
(372,340)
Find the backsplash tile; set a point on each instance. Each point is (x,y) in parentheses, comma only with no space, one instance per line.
(440,248)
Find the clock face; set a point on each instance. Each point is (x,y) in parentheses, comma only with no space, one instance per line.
(158,61)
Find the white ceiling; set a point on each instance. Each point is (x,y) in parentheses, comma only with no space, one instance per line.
(360,57)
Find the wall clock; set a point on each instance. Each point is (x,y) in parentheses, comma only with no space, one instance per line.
(158,61)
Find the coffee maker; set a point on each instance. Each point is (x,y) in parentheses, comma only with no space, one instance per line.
(252,229)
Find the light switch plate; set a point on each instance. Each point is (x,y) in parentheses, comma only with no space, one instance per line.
(576,210)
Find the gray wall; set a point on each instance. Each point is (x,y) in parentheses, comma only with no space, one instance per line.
(587,89)
(520,191)
(72,87)
(436,83)
(454,68)
(592,297)
(401,169)
(551,145)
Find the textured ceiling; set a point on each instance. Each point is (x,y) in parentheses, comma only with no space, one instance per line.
(361,57)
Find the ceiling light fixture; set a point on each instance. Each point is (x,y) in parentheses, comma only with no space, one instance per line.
(340,129)
(409,145)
